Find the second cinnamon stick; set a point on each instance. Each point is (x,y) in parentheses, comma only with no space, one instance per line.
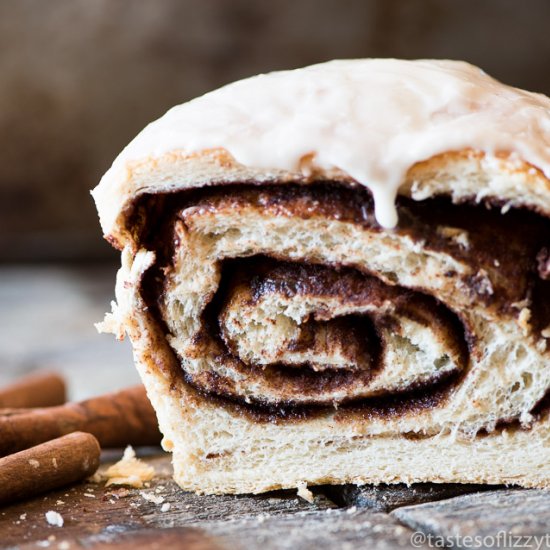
(116,420)
(40,389)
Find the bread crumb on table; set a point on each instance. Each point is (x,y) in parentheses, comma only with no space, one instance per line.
(129,471)
(96,478)
(150,497)
(304,492)
(54,518)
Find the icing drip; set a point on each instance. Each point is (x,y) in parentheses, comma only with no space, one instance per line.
(372,119)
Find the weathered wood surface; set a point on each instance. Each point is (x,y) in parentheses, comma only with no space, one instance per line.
(345,529)
(96,516)
(385,498)
(47,321)
(492,516)
(92,509)
(331,529)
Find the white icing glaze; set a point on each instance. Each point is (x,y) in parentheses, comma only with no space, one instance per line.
(371,118)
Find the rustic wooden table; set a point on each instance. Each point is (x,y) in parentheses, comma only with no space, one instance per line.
(47,321)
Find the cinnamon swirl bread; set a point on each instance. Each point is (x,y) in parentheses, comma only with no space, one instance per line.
(341,274)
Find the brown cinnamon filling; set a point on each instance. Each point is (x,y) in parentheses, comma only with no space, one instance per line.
(506,248)
(362,337)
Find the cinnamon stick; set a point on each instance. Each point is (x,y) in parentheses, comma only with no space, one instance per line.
(116,420)
(41,389)
(48,466)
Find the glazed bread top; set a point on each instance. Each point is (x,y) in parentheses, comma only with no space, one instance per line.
(417,128)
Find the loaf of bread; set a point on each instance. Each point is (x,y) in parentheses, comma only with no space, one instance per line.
(341,274)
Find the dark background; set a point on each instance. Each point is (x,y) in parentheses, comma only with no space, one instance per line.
(79,78)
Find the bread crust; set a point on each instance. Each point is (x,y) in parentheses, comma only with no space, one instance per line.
(501,178)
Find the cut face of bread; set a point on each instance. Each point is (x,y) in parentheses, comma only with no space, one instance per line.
(291,325)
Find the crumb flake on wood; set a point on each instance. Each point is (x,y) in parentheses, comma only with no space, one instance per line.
(304,492)
(151,497)
(54,518)
(129,471)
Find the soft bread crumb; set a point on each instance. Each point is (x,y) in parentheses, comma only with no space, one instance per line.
(521,304)
(112,323)
(304,492)
(54,518)
(96,478)
(129,471)
(523,320)
(483,283)
(155,499)
(459,236)
(167,445)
